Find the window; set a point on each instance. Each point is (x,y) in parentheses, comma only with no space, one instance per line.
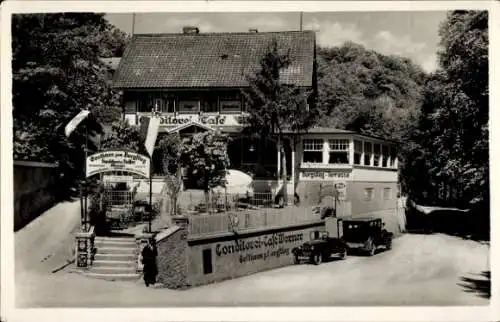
(385,156)
(358,151)
(339,151)
(368,153)
(210,105)
(387,193)
(189,106)
(394,156)
(167,105)
(145,102)
(376,155)
(207,261)
(230,102)
(313,150)
(368,194)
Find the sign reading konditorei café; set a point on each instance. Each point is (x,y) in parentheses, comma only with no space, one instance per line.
(206,119)
(118,161)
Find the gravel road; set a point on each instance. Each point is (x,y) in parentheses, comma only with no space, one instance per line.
(419,270)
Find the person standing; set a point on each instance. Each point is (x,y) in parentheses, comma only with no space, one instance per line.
(149,254)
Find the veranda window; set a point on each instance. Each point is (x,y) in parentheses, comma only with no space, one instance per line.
(313,150)
(358,151)
(368,153)
(339,151)
(393,156)
(385,156)
(376,155)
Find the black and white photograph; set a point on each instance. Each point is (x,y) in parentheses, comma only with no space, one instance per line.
(247,158)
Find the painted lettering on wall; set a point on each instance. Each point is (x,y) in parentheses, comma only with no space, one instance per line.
(109,161)
(260,248)
(325,175)
(203,119)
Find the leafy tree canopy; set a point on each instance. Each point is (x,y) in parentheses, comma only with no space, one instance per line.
(452,139)
(365,91)
(273,105)
(57,72)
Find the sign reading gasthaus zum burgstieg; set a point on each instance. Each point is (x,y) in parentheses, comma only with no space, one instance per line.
(118,161)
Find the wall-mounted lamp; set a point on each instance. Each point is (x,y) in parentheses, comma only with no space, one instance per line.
(251,149)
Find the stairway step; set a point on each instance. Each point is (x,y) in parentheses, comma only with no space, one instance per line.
(115,238)
(113,263)
(114,270)
(114,277)
(115,257)
(116,250)
(114,243)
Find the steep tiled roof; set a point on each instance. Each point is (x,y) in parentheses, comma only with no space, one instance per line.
(112,62)
(210,59)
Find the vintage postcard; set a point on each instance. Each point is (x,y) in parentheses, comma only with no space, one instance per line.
(236,161)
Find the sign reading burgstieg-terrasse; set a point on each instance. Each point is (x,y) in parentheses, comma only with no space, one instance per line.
(125,161)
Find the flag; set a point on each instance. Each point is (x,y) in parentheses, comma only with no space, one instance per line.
(149,132)
(71,126)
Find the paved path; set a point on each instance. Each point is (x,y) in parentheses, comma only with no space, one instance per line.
(419,270)
(47,242)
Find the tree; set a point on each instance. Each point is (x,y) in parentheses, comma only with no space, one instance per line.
(453,129)
(275,107)
(205,158)
(122,135)
(57,72)
(170,150)
(367,92)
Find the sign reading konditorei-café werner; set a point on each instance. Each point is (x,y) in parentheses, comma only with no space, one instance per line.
(260,248)
(118,161)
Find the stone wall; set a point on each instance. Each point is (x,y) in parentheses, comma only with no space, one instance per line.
(33,190)
(172,257)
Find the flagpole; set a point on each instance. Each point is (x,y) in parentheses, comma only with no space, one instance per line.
(151,182)
(85,173)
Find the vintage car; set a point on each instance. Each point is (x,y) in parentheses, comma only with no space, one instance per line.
(319,248)
(366,234)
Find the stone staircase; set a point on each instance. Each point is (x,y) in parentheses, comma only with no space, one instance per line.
(115,259)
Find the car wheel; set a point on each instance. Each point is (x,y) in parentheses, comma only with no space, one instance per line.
(316,258)
(280,201)
(388,245)
(296,200)
(371,248)
(343,254)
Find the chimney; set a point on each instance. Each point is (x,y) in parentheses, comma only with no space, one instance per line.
(190,30)
(253,30)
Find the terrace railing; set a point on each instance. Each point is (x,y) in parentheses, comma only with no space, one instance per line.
(248,220)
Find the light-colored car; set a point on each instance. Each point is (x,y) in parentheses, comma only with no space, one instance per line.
(237,183)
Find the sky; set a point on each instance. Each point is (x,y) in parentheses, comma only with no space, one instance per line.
(409,34)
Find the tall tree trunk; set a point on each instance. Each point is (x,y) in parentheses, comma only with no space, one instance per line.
(206,192)
(207,200)
(284,174)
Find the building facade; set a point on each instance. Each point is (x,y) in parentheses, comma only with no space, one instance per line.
(194,81)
